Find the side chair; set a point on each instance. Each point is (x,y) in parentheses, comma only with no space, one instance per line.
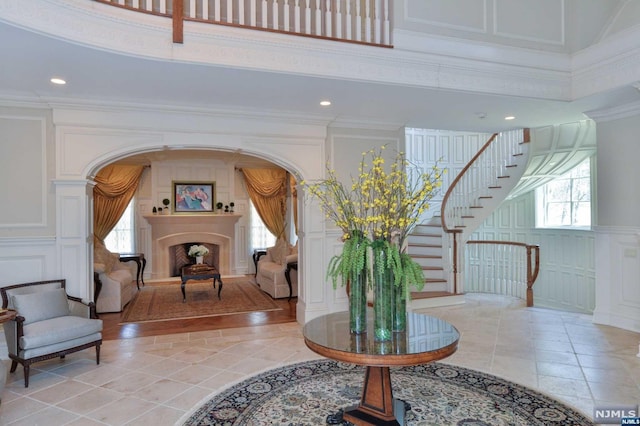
(49,323)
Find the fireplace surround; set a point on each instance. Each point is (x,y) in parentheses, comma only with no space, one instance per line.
(172,230)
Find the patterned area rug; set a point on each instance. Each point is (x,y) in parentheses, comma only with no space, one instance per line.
(163,301)
(439,394)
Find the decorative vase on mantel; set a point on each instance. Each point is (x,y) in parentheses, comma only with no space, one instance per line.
(199,260)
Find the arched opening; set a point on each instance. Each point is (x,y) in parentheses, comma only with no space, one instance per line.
(185,164)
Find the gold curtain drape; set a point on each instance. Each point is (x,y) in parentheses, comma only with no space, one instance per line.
(294,200)
(115,187)
(268,192)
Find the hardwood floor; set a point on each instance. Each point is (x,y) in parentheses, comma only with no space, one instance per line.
(113,329)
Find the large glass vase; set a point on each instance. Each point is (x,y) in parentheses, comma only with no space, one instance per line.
(399,308)
(383,298)
(358,302)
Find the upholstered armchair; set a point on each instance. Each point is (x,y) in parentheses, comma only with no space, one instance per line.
(270,272)
(117,279)
(49,324)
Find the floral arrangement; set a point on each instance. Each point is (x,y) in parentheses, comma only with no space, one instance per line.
(198,250)
(378,210)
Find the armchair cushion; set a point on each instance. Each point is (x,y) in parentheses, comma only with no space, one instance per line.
(36,307)
(56,330)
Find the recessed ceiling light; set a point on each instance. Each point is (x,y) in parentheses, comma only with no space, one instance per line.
(325,103)
(510,117)
(57,80)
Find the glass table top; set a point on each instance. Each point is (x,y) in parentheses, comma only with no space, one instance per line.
(425,334)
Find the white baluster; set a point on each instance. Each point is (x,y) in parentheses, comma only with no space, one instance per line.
(241,12)
(205,9)
(377,22)
(307,18)
(367,21)
(327,19)
(358,22)
(163,6)
(229,11)
(264,14)
(276,15)
(216,10)
(148,5)
(386,39)
(285,15)
(252,12)
(121,2)
(135,4)
(318,18)
(296,17)
(347,24)
(192,8)
(338,18)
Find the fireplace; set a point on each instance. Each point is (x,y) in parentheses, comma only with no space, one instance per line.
(171,230)
(179,257)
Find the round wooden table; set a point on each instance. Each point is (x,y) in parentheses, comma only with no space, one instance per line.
(427,339)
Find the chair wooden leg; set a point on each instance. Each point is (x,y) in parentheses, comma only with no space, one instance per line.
(26,375)
(14,365)
(98,354)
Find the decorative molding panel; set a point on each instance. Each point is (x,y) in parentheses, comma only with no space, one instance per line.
(24,142)
(27,259)
(533,18)
(446,14)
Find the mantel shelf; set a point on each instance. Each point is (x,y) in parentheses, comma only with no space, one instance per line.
(166,219)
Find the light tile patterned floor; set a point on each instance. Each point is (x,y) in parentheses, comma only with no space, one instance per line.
(160,380)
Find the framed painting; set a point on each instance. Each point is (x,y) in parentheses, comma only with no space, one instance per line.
(194,197)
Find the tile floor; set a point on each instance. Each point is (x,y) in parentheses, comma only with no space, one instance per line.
(160,380)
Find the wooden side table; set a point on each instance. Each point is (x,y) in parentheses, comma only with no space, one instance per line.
(5,315)
(257,254)
(140,261)
(287,274)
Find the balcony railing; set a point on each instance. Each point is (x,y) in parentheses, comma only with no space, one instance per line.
(356,21)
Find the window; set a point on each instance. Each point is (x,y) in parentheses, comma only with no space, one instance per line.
(566,201)
(260,235)
(121,238)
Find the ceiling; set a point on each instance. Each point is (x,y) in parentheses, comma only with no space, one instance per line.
(30,59)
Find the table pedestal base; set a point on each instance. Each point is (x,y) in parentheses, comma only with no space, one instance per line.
(377,405)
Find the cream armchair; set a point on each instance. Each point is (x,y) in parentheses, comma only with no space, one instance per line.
(116,280)
(270,274)
(49,324)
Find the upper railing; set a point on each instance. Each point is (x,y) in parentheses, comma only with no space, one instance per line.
(356,21)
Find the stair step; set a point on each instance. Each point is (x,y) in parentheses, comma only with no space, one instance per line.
(476,207)
(511,165)
(495,187)
(417,295)
(425,256)
(410,244)
(504,177)
(485,196)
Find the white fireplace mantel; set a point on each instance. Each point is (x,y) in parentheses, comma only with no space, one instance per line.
(172,229)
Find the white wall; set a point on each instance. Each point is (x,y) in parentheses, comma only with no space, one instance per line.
(618,226)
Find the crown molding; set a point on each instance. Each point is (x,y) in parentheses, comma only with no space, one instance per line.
(616,113)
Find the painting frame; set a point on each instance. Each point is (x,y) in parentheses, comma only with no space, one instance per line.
(193,197)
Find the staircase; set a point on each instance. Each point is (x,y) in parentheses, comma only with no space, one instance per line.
(437,244)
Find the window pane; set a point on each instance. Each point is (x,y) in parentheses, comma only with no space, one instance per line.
(260,235)
(566,201)
(121,237)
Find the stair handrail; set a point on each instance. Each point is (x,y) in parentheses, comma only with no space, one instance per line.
(457,179)
(456,214)
(532,268)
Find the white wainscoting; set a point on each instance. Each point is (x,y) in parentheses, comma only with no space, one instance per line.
(567,257)
(27,259)
(618,277)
